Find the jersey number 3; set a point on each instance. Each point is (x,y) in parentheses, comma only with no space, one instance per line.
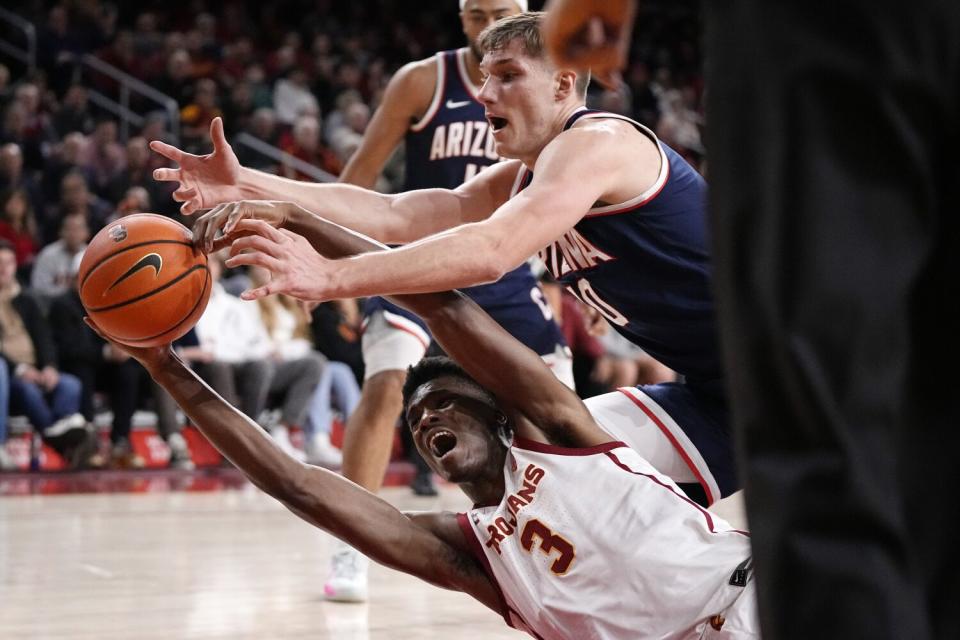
(537,532)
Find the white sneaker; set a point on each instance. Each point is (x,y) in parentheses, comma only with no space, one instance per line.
(348,576)
(180,453)
(281,436)
(321,452)
(6,460)
(66,424)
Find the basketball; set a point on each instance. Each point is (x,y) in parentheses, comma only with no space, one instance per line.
(142,281)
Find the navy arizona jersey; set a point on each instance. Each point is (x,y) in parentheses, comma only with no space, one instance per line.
(645,264)
(444,149)
(453,141)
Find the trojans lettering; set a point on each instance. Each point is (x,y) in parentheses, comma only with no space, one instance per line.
(458,139)
(503,527)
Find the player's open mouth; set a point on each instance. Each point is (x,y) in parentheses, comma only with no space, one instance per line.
(441,442)
(497,123)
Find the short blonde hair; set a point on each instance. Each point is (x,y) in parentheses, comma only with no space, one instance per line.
(524,27)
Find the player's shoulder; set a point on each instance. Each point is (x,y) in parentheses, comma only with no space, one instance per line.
(418,75)
(606,127)
(606,136)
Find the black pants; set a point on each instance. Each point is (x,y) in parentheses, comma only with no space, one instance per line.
(124,383)
(835,192)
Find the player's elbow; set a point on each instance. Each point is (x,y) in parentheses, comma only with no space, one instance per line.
(499,258)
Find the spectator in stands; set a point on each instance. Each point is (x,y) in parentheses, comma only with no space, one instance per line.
(234,348)
(195,118)
(51,274)
(122,54)
(304,143)
(256,77)
(298,367)
(138,172)
(155,127)
(13,177)
(292,97)
(100,367)
(15,131)
(346,138)
(75,197)
(18,226)
(147,40)
(135,200)
(238,108)
(66,157)
(49,399)
(74,112)
(103,158)
(336,329)
(177,77)
(37,129)
(238,56)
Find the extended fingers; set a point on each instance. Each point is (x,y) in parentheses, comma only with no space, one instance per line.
(184,194)
(217,136)
(168,151)
(254,258)
(254,242)
(166,174)
(258,227)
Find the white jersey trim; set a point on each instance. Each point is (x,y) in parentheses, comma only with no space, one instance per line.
(654,189)
(472,89)
(437,96)
(685,447)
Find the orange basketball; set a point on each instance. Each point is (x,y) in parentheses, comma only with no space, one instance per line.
(142,281)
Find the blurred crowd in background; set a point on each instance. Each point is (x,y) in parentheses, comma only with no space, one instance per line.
(301,76)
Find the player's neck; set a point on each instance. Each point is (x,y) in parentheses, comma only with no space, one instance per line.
(559,122)
(472,64)
(489,487)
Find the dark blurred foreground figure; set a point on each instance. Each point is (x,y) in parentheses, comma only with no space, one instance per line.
(833,158)
(832,142)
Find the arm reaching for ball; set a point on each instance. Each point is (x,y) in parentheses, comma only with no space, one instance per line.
(429,546)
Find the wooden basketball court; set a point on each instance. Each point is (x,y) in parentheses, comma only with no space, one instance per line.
(229,563)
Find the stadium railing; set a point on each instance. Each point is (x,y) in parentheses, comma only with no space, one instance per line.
(26,54)
(282,157)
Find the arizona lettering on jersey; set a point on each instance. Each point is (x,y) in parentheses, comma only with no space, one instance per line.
(453,141)
(645,265)
(460,139)
(595,543)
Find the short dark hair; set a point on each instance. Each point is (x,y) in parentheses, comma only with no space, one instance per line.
(524,27)
(6,245)
(430,369)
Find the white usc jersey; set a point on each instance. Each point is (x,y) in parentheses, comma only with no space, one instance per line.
(596,544)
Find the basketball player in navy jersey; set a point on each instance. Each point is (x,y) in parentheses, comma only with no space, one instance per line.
(617,216)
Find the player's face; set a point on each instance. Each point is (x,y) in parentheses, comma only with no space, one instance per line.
(477,15)
(455,429)
(518,95)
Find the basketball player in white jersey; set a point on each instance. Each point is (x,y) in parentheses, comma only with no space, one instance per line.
(572,535)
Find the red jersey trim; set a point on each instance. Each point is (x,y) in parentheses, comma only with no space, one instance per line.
(530,445)
(475,547)
(706,514)
(676,445)
(403,324)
